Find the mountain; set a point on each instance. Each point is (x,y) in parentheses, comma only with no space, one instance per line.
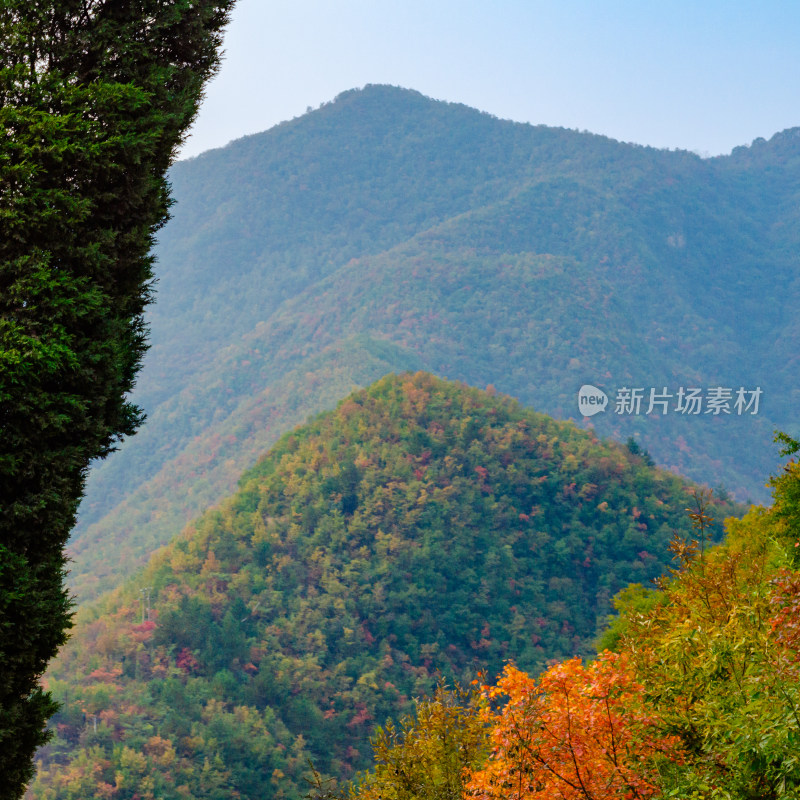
(421,528)
(386,231)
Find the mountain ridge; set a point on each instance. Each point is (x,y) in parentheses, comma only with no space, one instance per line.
(706,246)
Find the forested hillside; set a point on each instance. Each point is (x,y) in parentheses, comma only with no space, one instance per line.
(422,528)
(694,696)
(385,231)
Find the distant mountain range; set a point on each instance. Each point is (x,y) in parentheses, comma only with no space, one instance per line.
(386,232)
(422,529)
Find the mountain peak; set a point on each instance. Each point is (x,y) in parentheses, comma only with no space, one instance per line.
(778,149)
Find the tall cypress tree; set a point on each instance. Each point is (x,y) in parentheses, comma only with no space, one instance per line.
(95,97)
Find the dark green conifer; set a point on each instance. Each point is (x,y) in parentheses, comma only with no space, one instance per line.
(95,97)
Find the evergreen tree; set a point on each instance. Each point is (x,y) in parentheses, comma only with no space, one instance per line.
(95,97)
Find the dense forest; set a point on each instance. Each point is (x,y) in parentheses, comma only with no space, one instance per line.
(422,532)
(387,232)
(695,692)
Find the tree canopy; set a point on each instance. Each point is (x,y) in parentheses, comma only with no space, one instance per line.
(695,696)
(95,97)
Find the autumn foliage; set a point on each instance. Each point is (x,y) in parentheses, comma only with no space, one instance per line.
(697,699)
(422,529)
(577,733)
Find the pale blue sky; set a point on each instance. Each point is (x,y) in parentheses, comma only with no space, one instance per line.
(705,75)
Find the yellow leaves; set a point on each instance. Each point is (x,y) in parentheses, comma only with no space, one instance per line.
(451,465)
(417,393)
(213,708)
(363,461)
(369,679)
(133,762)
(183,561)
(427,757)
(211,565)
(712,664)
(193,743)
(161,750)
(264,530)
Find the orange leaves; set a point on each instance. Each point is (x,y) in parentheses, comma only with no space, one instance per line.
(578,733)
(104,675)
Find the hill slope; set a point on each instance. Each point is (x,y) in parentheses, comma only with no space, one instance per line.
(421,527)
(386,231)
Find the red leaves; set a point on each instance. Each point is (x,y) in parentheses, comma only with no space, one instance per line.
(786,623)
(143,632)
(361,716)
(187,662)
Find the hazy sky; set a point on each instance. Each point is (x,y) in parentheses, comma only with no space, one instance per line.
(704,75)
